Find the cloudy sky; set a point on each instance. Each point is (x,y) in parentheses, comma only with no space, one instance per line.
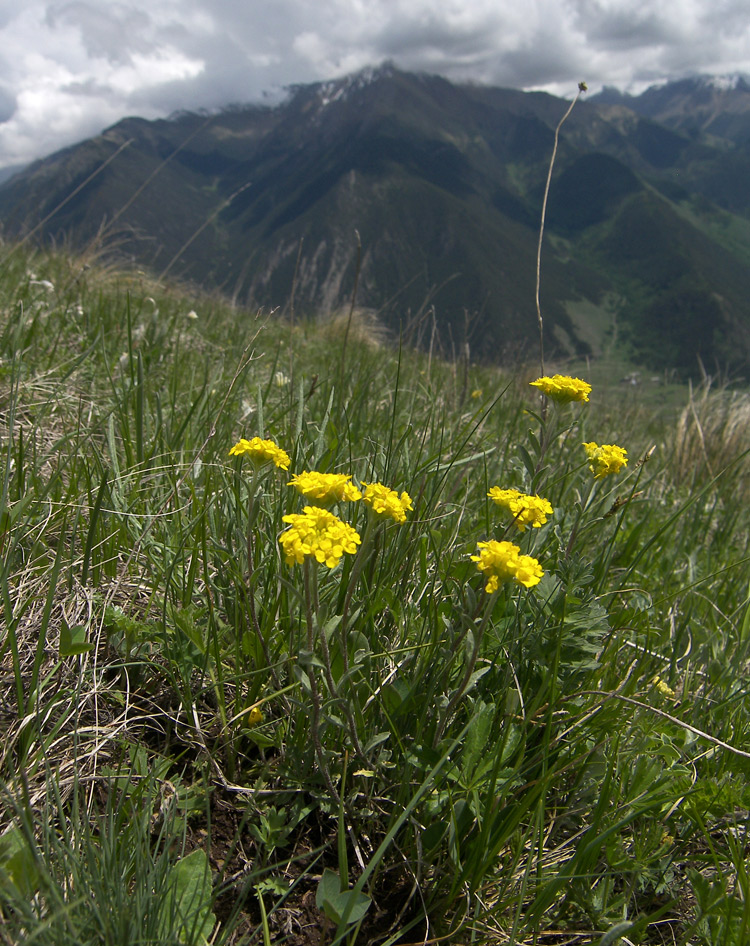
(69,68)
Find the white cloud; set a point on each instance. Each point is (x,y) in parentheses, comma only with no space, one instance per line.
(69,68)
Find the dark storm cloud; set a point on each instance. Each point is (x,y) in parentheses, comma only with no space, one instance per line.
(70,67)
(110,31)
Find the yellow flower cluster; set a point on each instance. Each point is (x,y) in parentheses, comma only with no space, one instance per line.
(562,388)
(261,451)
(325,489)
(386,502)
(664,688)
(609,458)
(503,561)
(317,532)
(526,510)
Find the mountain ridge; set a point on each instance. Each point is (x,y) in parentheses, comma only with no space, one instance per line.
(442,184)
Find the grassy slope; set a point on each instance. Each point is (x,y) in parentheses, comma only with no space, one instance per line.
(438,757)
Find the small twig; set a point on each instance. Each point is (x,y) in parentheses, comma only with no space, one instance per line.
(582,87)
(354,299)
(291,308)
(672,719)
(294,284)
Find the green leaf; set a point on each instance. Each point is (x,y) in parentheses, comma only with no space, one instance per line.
(73,640)
(17,864)
(376,740)
(338,903)
(526,459)
(477,737)
(615,934)
(192,886)
(745,625)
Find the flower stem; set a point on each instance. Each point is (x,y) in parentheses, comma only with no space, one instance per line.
(461,689)
(250,592)
(314,692)
(359,563)
(332,688)
(579,516)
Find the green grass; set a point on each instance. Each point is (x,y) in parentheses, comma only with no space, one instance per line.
(204,743)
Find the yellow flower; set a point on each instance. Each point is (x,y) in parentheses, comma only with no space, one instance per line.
(528,571)
(324,489)
(261,451)
(254,717)
(526,510)
(477,393)
(664,688)
(386,502)
(609,458)
(562,388)
(318,533)
(502,561)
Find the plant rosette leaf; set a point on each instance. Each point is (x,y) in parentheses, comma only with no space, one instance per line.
(192,893)
(339,905)
(73,640)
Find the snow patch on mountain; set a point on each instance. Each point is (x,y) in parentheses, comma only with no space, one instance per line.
(727,83)
(340,89)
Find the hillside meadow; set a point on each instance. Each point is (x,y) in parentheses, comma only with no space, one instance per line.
(468,682)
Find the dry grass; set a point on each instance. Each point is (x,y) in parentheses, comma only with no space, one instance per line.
(711,434)
(364,328)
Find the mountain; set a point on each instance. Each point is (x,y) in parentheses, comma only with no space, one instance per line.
(716,106)
(647,242)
